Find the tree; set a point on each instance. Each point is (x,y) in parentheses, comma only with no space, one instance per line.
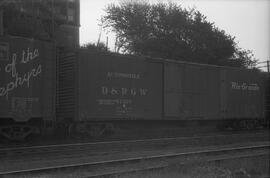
(170,31)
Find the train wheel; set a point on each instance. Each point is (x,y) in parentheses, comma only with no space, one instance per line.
(96,130)
(93,130)
(18,132)
(243,125)
(251,125)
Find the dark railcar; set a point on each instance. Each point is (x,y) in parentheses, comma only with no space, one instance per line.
(97,88)
(27,84)
(109,87)
(244,94)
(205,92)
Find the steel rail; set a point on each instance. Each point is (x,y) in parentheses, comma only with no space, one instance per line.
(264,145)
(66,146)
(152,168)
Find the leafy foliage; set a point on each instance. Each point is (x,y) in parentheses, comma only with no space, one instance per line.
(170,31)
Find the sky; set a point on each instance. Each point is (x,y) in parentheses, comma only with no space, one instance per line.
(247,20)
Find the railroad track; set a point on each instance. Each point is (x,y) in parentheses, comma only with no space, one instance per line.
(30,150)
(144,161)
(4,145)
(39,157)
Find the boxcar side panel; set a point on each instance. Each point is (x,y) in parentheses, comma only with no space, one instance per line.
(27,78)
(117,87)
(245,94)
(194,91)
(191,91)
(173,78)
(213,93)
